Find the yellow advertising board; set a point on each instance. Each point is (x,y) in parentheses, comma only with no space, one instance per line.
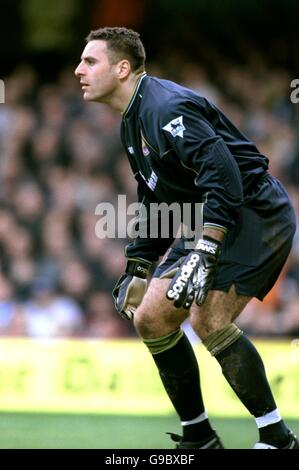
(119,377)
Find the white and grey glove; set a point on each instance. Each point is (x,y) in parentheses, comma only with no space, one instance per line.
(131,287)
(195,274)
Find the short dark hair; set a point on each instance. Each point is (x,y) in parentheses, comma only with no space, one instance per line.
(122,43)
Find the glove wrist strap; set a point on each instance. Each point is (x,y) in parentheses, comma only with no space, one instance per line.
(138,267)
(208,245)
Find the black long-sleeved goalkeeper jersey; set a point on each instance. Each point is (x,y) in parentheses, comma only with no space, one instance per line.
(183,149)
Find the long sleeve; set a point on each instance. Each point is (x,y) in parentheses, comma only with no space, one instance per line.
(199,148)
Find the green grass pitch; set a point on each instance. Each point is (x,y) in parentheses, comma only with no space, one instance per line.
(57,431)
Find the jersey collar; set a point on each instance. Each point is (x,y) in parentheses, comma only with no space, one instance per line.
(133,99)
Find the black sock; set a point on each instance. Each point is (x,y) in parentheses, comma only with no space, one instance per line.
(244,370)
(179,372)
(276,434)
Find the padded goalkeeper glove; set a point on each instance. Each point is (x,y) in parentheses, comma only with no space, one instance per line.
(195,275)
(131,286)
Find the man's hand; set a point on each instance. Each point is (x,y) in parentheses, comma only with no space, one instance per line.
(131,286)
(195,274)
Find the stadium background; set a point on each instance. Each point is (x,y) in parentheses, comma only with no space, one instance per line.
(71,372)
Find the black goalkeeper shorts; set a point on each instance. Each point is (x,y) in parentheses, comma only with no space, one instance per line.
(255,250)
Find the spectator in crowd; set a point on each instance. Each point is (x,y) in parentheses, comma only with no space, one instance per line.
(50,315)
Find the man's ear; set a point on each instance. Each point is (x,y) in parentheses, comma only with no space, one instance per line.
(123,68)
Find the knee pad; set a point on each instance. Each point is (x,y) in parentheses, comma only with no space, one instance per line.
(158,345)
(222,339)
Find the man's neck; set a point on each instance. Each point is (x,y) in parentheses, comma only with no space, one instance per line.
(123,96)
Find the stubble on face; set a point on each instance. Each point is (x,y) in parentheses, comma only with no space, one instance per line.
(97,73)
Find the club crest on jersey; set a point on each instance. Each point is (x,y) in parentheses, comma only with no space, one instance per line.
(145,149)
(176,127)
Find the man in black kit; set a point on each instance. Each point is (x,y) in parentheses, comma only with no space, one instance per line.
(183,149)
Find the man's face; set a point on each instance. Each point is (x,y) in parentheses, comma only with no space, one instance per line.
(97,75)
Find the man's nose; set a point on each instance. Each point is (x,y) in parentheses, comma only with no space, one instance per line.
(79,71)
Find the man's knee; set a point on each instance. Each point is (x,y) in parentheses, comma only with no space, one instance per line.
(145,321)
(146,315)
(153,322)
(219,311)
(156,315)
(206,325)
(206,322)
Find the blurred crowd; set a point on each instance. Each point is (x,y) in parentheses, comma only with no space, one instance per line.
(60,157)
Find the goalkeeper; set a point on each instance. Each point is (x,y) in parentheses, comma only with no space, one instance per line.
(183,149)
